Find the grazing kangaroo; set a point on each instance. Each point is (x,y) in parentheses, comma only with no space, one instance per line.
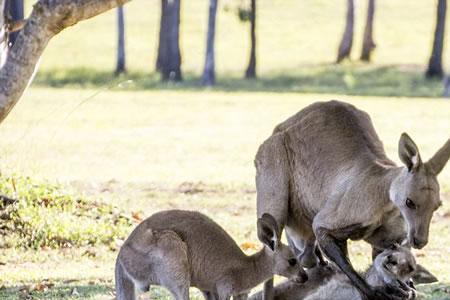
(323,174)
(328,283)
(178,249)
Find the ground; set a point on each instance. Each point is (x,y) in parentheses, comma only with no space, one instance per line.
(145,146)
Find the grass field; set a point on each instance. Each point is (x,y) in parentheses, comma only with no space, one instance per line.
(143,146)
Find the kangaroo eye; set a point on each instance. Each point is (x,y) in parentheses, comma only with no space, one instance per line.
(410,203)
(292,262)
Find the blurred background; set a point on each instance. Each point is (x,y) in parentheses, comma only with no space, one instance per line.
(106,136)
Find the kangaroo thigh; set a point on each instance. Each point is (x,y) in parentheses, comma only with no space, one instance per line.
(272,179)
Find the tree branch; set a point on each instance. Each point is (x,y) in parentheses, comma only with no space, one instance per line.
(47,19)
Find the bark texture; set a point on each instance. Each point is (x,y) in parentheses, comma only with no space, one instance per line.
(368,43)
(345,47)
(251,69)
(3,35)
(209,72)
(121,57)
(435,63)
(47,19)
(16,13)
(168,62)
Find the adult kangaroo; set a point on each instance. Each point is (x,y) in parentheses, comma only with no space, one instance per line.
(323,174)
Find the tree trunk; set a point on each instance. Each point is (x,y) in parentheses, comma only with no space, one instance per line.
(447,87)
(47,19)
(368,43)
(3,34)
(120,65)
(168,62)
(209,77)
(435,62)
(345,47)
(16,12)
(251,69)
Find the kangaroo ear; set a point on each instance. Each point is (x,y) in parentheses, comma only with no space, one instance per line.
(268,231)
(422,275)
(14,26)
(409,153)
(394,246)
(438,161)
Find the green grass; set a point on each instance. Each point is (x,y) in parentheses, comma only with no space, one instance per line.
(144,151)
(141,145)
(297,44)
(44,215)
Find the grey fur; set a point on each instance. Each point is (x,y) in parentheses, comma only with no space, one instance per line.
(178,249)
(328,283)
(324,173)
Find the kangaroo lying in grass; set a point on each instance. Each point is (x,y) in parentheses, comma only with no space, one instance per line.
(329,283)
(178,249)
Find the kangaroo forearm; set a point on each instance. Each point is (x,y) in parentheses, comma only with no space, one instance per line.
(334,249)
(268,290)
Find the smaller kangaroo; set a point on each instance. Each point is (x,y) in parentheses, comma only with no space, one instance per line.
(393,267)
(178,249)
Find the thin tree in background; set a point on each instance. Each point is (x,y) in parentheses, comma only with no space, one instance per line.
(368,43)
(121,57)
(435,63)
(16,13)
(3,34)
(251,69)
(168,62)
(209,77)
(345,47)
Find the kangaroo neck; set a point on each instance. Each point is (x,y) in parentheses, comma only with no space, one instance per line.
(259,268)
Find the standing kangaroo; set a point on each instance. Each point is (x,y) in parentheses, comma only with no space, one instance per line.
(328,283)
(324,175)
(178,249)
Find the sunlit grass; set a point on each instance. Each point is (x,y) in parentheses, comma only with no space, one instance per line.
(146,146)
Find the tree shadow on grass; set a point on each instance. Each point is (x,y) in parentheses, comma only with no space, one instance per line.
(58,291)
(349,79)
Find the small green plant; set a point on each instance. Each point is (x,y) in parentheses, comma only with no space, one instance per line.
(36,215)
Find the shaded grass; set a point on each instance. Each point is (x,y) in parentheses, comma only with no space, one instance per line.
(347,79)
(38,215)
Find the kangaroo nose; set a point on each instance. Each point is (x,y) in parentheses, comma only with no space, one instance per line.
(302,277)
(418,243)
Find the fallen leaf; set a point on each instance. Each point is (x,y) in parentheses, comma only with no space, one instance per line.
(249,245)
(137,216)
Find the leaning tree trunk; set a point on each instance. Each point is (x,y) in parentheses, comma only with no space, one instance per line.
(435,63)
(16,12)
(47,19)
(169,58)
(120,64)
(251,69)
(209,73)
(345,47)
(368,43)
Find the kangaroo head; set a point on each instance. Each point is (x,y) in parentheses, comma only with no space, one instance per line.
(285,262)
(398,262)
(415,191)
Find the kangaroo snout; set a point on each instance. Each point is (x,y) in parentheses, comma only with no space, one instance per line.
(301,277)
(419,243)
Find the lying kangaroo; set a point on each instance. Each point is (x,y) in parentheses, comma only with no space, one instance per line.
(323,174)
(328,283)
(178,249)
